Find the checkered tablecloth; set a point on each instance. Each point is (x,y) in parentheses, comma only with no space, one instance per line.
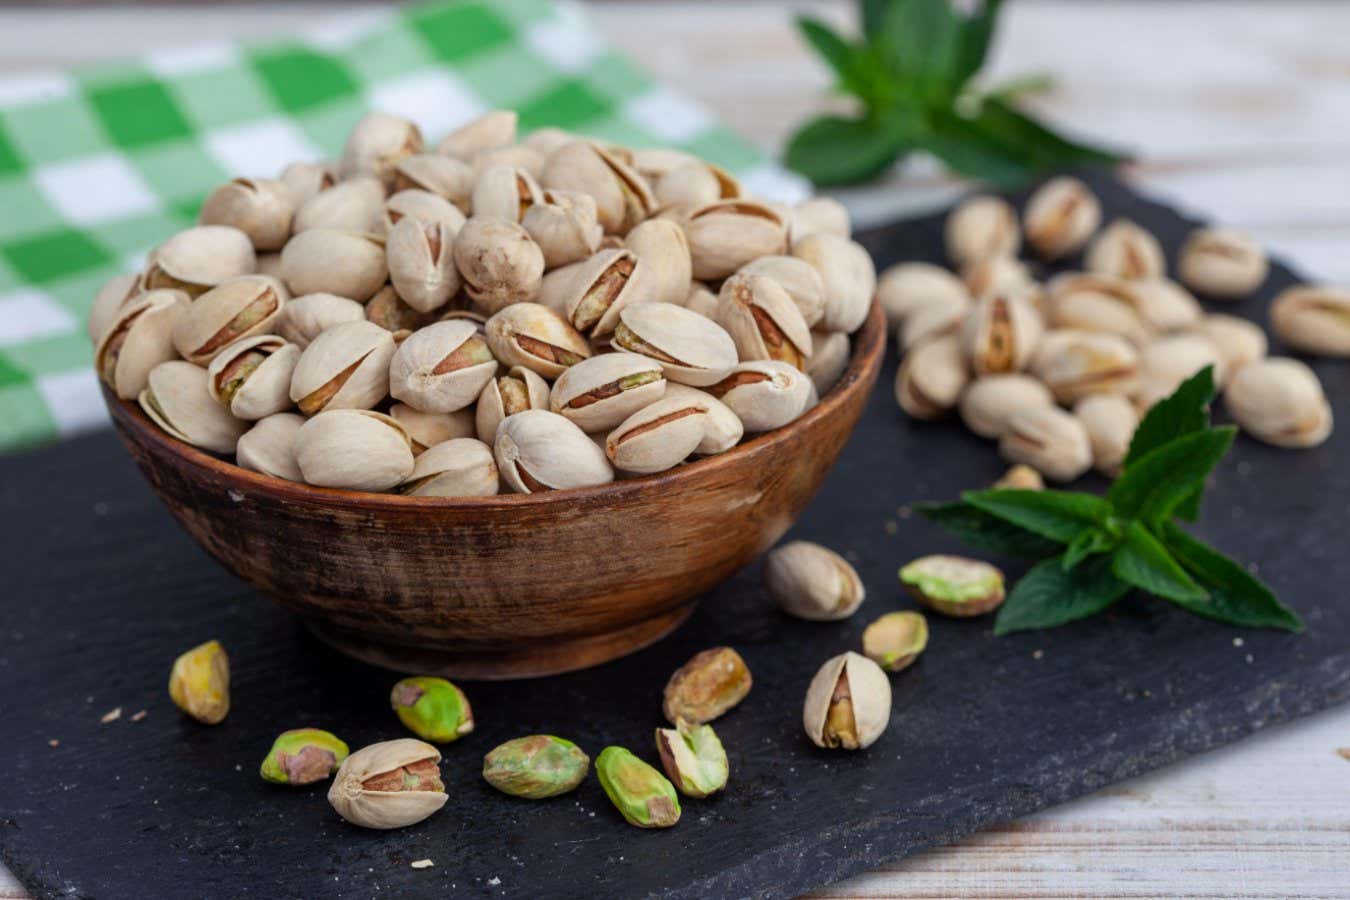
(99,165)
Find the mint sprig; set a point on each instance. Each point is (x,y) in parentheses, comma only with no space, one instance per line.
(1094,550)
(912,73)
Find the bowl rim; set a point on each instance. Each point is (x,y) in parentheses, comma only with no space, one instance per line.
(868,352)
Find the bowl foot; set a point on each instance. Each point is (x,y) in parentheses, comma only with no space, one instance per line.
(530,661)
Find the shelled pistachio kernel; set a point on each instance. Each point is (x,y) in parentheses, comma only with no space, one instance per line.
(199,683)
(813,582)
(954,585)
(536,767)
(303,756)
(693,758)
(641,794)
(432,708)
(1020,477)
(710,683)
(848,704)
(391,784)
(896,639)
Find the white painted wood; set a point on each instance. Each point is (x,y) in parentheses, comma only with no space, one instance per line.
(1239,110)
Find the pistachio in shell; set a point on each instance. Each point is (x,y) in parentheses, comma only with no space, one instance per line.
(601,392)
(441,368)
(505,395)
(199,683)
(432,708)
(535,337)
(303,756)
(536,767)
(139,338)
(261,208)
(200,258)
(641,794)
(812,582)
(848,703)
(269,446)
(391,784)
(459,467)
(177,399)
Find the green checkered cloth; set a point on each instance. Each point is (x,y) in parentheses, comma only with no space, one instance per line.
(101,164)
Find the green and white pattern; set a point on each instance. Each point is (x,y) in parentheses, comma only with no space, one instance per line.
(99,165)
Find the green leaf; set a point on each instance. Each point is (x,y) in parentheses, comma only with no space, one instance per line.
(985,532)
(833,150)
(1235,596)
(1022,86)
(873,17)
(846,59)
(1058,515)
(1042,147)
(976,34)
(1185,411)
(970,151)
(1048,595)
(1162,479)
(1142,561)
(1089,542)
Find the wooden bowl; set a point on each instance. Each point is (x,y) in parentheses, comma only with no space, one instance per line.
(511,586)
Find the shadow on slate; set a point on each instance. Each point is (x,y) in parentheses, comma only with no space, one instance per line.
(103,590)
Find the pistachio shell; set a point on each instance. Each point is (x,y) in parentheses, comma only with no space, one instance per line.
(564,226)
(241,307)
(691,349)
(139,338)
(1279,401)
(538,450)
(601,392)
(303,318)
(1164,305)
(354,449)
(377,144)
(812,582)
(601,286)
(989,401)
(722,428)
(261,208)
(269,446)
(701,300)
(1222,264)
(345,367)
(764,394)
(505,395)
(176,399)
(907,286)
(1237,341)
(252,376)
(819,215)
(935,318)
(547,139)
(1074,364)
(499,261)
(1060,217)
(622,196)
(114,294)
(536,337)
(663,249)
(830,355)
(425,206)
(441,368)
(1313,319)
(1097,303)
(326,261)
(387,310)
(848,703)
(460,467)
(201,258)
(1126,250)
(487,132)
(504,192)
(931,378)
(305,179)
(429,429)
(979,228)
(1166,362)
(356,205)
(658,436)
(1049,440)
(997,275)
(1110,421)
(695,183)
(763,321)
(391,784)
(727,234)
(1001,334)
(438,174)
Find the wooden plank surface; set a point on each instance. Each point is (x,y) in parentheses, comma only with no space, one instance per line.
(1241,110)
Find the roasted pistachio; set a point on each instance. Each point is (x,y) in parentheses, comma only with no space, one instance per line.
(1164,304)
(722,429)
(658,436)
(1001,334)
(998,275)
(261,208)
(536,337)
(693,758)
(707,686)
(695,183)
(1049,440)
(241,307)
(421,263)
(377,144)
(252,377)
(727,234)
(622,196)
(138,339)
(896,639)
(1060,217)
(1237,341)
(536,767)
(691,348)
(326,261)
(641,794)
(387,310)
(345,367)
(830,354)
(176,399)
(305,179)
(199,683)
(460,467)
(847,274)
(989,402)
(303,756)
(954,585)
(1074,364)
(489,131)
(200,258)
(442,175)
(505,395)
(441,368)
(269,446)
(933,319)
(601,286)
(663,250)
(354,449)
(391,784)
(114,294)
(429,429)
(499,262)
(848,703)
(818,215)
(303,318)
(812,582)
(538,451)
(356,205)
(565,227)
(907,286)
(1110,421)
(764,394)
(1020,477)
(504,192)
(424,206)
(1167,361)
(1222,263)
(601,392)
(1279,401)
(931,378)
(432,708)
(979,228)
(547,139)
(763,321)
(1097,303)
(1126,250)
(701,300)
(1313,319)
(798,278)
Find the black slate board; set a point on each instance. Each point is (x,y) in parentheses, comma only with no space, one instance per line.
(102,590)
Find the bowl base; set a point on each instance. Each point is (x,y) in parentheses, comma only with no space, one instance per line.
(502,664)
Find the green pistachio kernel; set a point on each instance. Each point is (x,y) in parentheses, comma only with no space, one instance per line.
(640,793)
(954,585)
(432,708)
(303,756)
(693,758)
(536,767)
(896,639)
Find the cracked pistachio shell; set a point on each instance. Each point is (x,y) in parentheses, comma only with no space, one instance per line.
(200,258)
(547,139)
(261,208)
(712,682)
(701,300)
(763,321)
(505,192)
(848,275)
(139,338)
(444,176)
(997,275)
(1074,364)
(693,758)
(1237,340)
(327,261)
(114,294)
(896,639)
(354,449)
(622,196)
(536,337)
(391,784)
(954,585)
(663,249)
(1020,478)
(830,354)
(441,368)
(601,392)
(517,156)
(199,683)
(601,286)
(907,286)
(305,179)
(1049,440)
(1060,217)
(487,132)
(538,450)
(691,348)
(641,794)
(1313,319)
(979,228)
(1126,250)
(934,318)
(460,467)
(1164,304)
(432,708)
(565,227)
(303,756)
(722,429)
(269,446)
(177,400)
(423,206)
(345,367)
(241,307)
(695,183)
(659,436)
(505,395)
(798,278)
(536,767)
(931,377)
(555,289)
(252,377)
(990,400)
(1222,264)
(654,162)
(1280,401)
(812,582)
(377,144)
(422,264)
(764,394)
(1110,421)
(727,234)
(387,310)
(429,429)
(848,703)
(1097,303)
(1001,334)
(356,205)
(499,261)
(1167,361)
(819,215)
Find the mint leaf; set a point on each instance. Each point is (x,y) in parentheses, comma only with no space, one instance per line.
(873,13)
(1044,148)
(1235,596)
(1184,412)
(1164,478)
(1048,595)
(985,532)
(968,150)
(976,34)
(922,40)
(846,59)
(1089,542)
(832,150)
(1057,515)
(1142,561)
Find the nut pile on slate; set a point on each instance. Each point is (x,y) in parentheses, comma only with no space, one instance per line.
(536,315)
(1060,372)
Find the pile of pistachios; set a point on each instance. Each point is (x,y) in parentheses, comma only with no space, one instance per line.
(1059,372)
(537,314)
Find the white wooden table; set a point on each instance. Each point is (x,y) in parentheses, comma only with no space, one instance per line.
(1240,110)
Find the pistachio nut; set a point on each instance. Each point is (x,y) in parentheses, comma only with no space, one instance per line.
(1313,319)
(354,449)
(691,348)
(933,319)
(654,162)
(1001,333)
(195,260)
(979,228)
(1049,440)
(252,377)
(177,400)
(818,215)
(622,197)
(261,208)
(441,368)
(847,274)
(1222,264)
(303,318)
(139,338)
(269,446)
(536,767)
(1167,361)
(1097,303)
(907,286)
(662,248)
(798,278)
(505,395)
(345,367)
(601,392)
(391,784)
(421,263)
(424,206)
(432,708)
(695,183)
(1110,421)
(429,429)
(931,378)
(1126,250)
(269,265)
(1164,304)
(722,429)
(241,307)
(327,261)
(1060,217)
(487,132)
(1280,401)
(1074,364)
(1020,478)
(812,582)
(356,205)
(954,585)
(701,300)
(504,192)
(658,436)
(377,144)
(989,401)
(601,286)
(516,156)
(763,321)
(199,683)
(114,294)
(538,451)
(727,234)
(641,794)
(547,139)
(830,355)
(848,703)
(997,275)
(305,179)
(565,227)
(536,337)
(460,467)
(387,310)
(1237,340)
(444,176)
(707,686)
(764,393)
(303,756)
(896,639)
(499,261)
(693,758)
